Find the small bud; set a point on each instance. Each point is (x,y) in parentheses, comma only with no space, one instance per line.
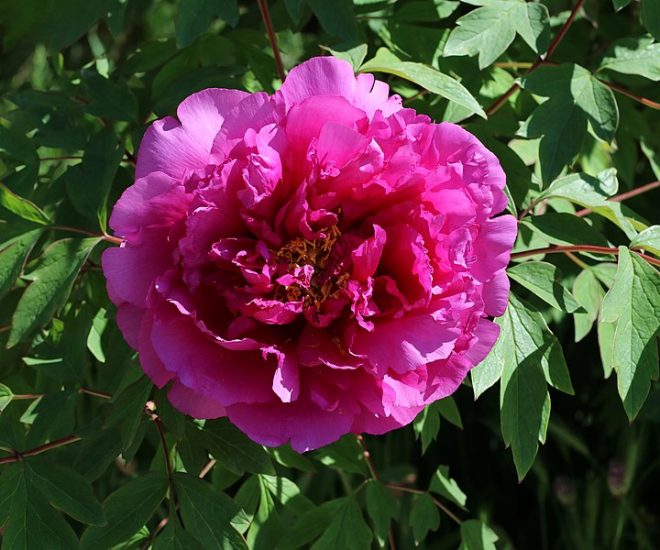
(616,478)
(564,490)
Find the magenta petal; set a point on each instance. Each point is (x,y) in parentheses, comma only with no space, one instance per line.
(493,246)
(194,403)
(286,381)
(495,294)
(129,319)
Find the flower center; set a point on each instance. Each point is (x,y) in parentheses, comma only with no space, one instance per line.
(310,274)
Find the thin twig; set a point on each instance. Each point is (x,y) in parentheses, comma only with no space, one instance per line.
(495,106)
(206,469)
(103,236)
(624,196)
(95,393)
(418,492)
(580,248)
(265,14)
(150,410)
(640,99)
(18,456)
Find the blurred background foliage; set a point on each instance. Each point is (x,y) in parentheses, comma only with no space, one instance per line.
(81,455)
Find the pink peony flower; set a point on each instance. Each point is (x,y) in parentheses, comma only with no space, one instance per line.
(312,263)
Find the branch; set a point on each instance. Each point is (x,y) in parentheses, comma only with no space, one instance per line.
(495,106)
(18,456)
(643,100)
(150,410)
(265,14)
(103,236)
(418,492)
(581,248)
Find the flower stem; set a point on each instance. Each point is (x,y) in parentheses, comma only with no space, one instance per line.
(103,236)
(265,14)
(580,248)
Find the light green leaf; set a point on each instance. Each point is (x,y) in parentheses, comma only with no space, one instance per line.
(95,333)
(592,193)
(648,240)
(531,356)
(542,279)
(489,30)
(52,280)
(424,517)
(640,56)
(354,54)
(13,255)
(67,490)
(580,98)
(589,294)
(382,509)
(620,4)
(476,535)
(22,207)
(127,510)
(347,530)
(6,395)
(632,309)
(446,487)
(207,512)
(427,77)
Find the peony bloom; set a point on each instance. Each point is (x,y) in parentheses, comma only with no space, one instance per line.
(312,263)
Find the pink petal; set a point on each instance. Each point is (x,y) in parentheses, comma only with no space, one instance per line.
(493,246)
(194,403)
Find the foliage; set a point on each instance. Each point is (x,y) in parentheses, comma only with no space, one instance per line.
(565,93)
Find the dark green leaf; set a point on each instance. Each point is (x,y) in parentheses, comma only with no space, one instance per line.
(347,530)
(564,229)
(128,410)
(113,100)
(22,207)
(424,517)
(52,280)
(337,18)
(195,16)
(651,17)
(476,535)
(382,509)
(175,537)
(127,510)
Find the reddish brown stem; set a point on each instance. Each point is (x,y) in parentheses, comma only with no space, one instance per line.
(265,14)
(580,248)
(435,500)
(643,100)
(102,236)
(624,196)
(495,106)
(18,456)
(95,393)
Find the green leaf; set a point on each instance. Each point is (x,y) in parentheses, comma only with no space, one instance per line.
(424,517)
(592,192)
(648,240)
(195,16)
(489,30)
(310,525)
(127,510)
(426,425)
(382,509)
(542,279)
(420,11)
(476,535)
(449,411)
(22,207)
(354,55)
(13,255)
(620,4)
(589,294)
(345,454)
(632,305)
(94,344)
(347,530)
(337,18)
(6,395)
(31,522)
(235,450)
(651,17)
(427,77)
(564,229)
(128,410)
(207,513)
(175,537)
(527,355)
(113,100)
(581,98)
(52,280)
(446,487)
(67,490)
(88,183)
(640,56)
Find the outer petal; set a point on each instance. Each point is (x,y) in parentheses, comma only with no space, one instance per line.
(334,77)
(493,246)
(495,294)
(194,403)
(175,148)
